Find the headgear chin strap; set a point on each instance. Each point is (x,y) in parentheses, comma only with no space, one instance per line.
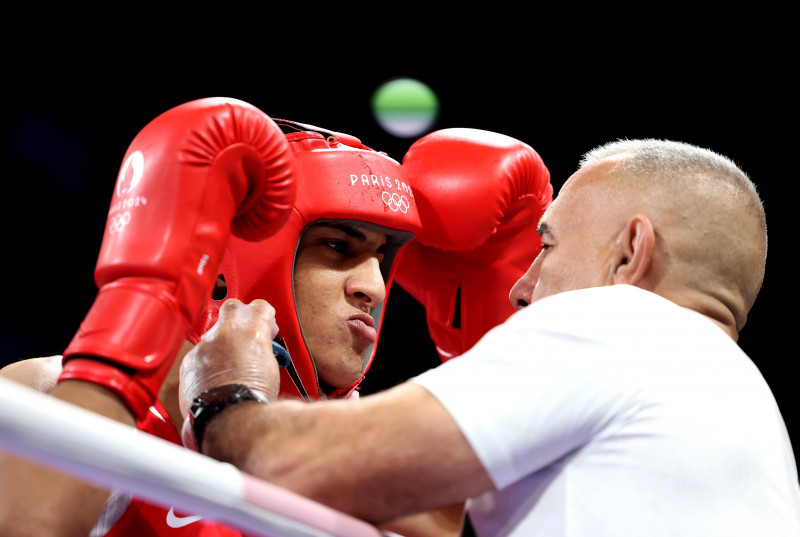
(338,179)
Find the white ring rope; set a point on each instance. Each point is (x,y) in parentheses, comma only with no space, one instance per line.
(110,454)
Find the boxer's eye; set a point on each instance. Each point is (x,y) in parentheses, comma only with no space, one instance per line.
(342,247)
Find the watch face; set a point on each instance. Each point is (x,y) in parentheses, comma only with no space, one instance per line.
(220,397)
(209,403)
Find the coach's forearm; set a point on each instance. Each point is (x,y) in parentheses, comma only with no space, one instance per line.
(245,435)
(377,458)
(280,442)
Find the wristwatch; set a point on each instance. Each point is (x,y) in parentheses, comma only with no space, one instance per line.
(211,402)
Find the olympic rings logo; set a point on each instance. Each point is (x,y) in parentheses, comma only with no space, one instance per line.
(119,221)
(395,201)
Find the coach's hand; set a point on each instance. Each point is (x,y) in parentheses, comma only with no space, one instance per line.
(236,350)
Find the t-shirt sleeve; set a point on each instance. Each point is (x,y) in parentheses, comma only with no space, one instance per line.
(531,391)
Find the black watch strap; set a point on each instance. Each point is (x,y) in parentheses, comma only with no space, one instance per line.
(211,402)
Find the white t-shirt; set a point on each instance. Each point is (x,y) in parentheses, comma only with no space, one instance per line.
(614,412)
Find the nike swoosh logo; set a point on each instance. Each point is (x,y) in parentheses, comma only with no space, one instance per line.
(175,521)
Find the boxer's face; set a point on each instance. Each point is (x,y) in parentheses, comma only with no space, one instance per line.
(337,282)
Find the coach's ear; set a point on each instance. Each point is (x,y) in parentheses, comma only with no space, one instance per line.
(635,245)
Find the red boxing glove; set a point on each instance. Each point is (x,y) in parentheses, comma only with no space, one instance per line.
(192,176)
(480,196)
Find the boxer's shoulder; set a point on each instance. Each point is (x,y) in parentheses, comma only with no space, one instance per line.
(38,373)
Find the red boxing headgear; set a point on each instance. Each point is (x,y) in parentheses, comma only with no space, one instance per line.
(338,178)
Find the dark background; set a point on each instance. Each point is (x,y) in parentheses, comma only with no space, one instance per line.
(72,110)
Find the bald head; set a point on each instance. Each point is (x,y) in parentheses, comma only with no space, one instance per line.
(709,222)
